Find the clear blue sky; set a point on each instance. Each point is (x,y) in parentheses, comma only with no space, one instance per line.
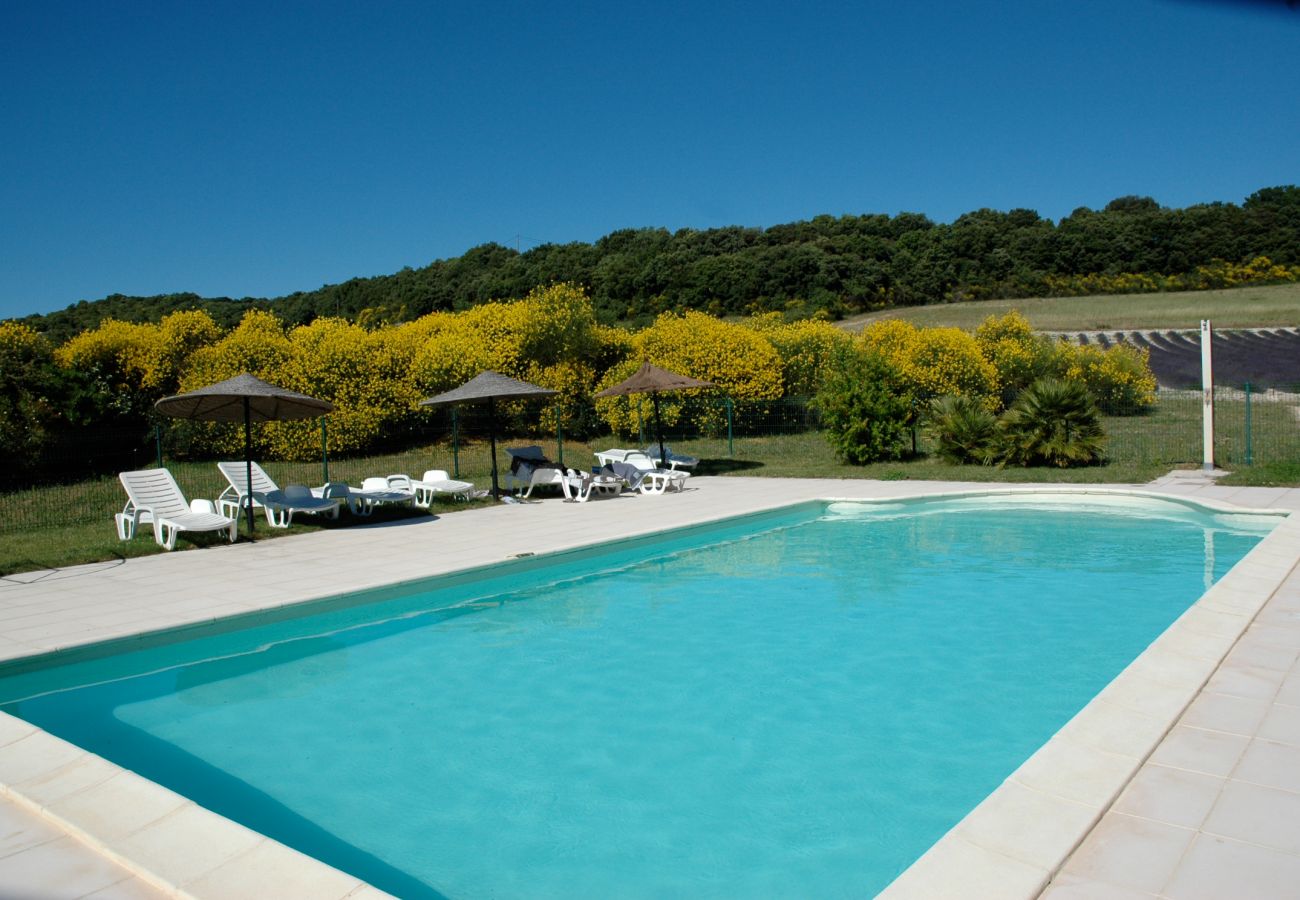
(253,149)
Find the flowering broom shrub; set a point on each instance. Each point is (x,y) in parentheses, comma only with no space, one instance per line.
(934,362)
(739,361)
(1017,354)
(1119,378)
(806,349)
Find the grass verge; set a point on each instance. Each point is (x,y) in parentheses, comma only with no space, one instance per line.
(1271,306)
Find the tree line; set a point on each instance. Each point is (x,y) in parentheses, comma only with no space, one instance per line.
(832,266)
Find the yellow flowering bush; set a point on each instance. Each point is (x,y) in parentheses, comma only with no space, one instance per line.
(365,374)
(1017,354)
(1218,274)
(934,362)
(806,348)
(742,364)
(20,344)
(121,355)
(1119,378)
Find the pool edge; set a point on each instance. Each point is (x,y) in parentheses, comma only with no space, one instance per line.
(1018,838)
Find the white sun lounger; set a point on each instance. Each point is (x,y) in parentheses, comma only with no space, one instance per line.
(280,505)
(153,496)
(532,472)
(376,491)
(674,460)
(434,482)
(649,479)
(581,486)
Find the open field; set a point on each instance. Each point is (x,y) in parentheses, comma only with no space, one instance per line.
(62,525)
(1273,306)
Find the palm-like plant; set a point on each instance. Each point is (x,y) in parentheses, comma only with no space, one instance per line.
(1052,423)
(963,430)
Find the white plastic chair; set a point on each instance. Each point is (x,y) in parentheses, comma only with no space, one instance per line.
(432,483)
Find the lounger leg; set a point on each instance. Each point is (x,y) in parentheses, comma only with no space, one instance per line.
(234,531)
(125,526)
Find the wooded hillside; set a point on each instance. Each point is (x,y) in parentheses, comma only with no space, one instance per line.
(840,265)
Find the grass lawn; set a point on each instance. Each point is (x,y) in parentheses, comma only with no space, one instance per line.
(1273,306)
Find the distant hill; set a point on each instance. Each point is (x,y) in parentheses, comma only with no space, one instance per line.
(842,266)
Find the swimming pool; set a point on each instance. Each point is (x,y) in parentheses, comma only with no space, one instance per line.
(689,716)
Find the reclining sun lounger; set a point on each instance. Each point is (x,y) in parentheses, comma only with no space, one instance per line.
(673,460)
(376,491)
(153,496)
(642,475)
(580,486)
(530,469)
(280,505)
(434,482)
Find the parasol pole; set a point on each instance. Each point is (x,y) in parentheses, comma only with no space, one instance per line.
(492,441)
(659,428)
(248,465)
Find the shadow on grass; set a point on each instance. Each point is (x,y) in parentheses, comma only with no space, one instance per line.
(723,466)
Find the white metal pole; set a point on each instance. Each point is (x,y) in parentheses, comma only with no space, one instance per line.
(1207,398)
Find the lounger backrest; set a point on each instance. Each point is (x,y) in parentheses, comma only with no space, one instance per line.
(155,489)
(237,475)
(640,460)
(432,475)
(375,483)
(336,489)
(298,492)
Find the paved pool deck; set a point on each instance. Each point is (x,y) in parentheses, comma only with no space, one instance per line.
(1179,781)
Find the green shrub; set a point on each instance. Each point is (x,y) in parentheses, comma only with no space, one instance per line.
(865,407)
(964,431)
(1052,423)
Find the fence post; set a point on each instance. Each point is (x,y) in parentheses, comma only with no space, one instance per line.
(1207,398)
(731,447)
(1250,456)
(324,453)
(559,437)
(157,439)
(455,443)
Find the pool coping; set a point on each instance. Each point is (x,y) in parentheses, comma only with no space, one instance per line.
(1010,845)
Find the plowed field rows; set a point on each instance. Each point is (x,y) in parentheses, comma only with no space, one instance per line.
(1265,358)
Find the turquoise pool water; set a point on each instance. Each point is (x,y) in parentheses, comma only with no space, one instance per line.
(796,704)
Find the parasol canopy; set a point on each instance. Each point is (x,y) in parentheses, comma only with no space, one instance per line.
(247,398)
(489,386)
(650,379)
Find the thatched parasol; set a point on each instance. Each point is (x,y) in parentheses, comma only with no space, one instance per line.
(489,386)
(650,379)
(250,399)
